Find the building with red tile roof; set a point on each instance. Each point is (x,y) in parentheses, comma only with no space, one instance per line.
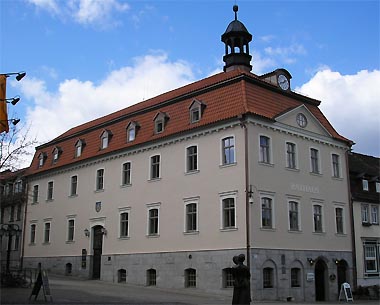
(167,191)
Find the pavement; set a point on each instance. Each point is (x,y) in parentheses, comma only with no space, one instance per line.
(71,290)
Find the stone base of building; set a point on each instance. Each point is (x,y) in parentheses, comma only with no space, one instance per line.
(295,275)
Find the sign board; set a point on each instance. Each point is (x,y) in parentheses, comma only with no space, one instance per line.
(310,277)
(346,293)
(42,281)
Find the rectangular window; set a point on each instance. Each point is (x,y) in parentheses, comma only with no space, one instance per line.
(18,187)
(2,215)
(100,179)
(47,232)
(12,214)
(104,141)
(35,194)
(291,155)
(228,278)
(16,242)
(295,277)
(339,220)
(264,149)
(151,275)
(124,218)
(191,217)
(365,185)
(192,158)
(190,278)
(228,213)
(50,190)
(73,185)
(70,229)
(377,184)
(266,212)
(155,167)
(314,158)
(159,126)
(126,175)
(335,166)
(18,212)
(131,134)
(374,214)
(365,213)
(293,216)
(78,150)
(195,114)
(371,257)
(268,277)
(153,222)
(228,147)
(317,217)
(33,233)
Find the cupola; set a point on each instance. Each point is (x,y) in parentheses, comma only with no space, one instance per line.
(236,39)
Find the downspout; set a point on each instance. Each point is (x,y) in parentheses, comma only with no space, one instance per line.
(24,226)
(353,241)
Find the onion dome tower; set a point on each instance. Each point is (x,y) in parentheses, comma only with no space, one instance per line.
(236,39)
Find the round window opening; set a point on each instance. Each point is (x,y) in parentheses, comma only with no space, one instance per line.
(301,120)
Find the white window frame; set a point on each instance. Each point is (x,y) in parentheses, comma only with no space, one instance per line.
(105,139)
(343,219)
(374,211)
(377,185)
(271,197)
(375,249)
(187,169)
(124,182)
(50,194)
(269,153)
(188,201)
(298,215)
(131,133)
(35,194)
(223,196)
(97,188)
(151,178)
(32,241)
(222,150)
(69,228)
(47,240)
(365,213)
(295,155)
(336,168)
(153,206)
(365,185)
(126,210)
(317,203)
(73,194)
(319,161)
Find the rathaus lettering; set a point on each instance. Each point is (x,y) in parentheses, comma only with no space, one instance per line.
(304,188)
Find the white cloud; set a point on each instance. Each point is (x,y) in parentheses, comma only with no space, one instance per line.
(351,104)
(76,102)
(85,12)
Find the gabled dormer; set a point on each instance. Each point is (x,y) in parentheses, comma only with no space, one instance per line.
(160,120)
(56,153)
(196,109)
(105,138)
(132,129)
(79,146)
(41,159)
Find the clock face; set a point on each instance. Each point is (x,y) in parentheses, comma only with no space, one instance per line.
(283,82)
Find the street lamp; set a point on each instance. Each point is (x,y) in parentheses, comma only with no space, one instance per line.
(9,230)
(20,75)
(13,100)
(13,121)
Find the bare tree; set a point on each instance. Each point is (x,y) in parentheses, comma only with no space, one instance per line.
(16,147)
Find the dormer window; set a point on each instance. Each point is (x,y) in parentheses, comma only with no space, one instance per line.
(56,153)
(365,185)
(41,159)
(160,121)
(132,129)
(79,145)
(105,137)
(196,109)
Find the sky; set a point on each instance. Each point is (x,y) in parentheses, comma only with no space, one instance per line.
(87,58)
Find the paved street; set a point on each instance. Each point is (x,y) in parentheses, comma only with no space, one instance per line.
(68,290)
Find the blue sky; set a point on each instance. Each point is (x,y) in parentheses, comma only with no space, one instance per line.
(85,59)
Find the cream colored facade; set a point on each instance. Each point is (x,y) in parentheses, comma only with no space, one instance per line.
(208,249)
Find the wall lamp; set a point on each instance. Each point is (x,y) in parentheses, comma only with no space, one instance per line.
(20,75)
(13,121)
(250,194)
(311,261)
(336,261)
(104,231)
(86,232)
(13,100)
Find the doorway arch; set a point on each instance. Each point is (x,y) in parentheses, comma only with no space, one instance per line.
(97,248)
(321,281)
(341,270)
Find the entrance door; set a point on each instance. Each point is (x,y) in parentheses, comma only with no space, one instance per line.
(341,270)
(97,251)
(320,280)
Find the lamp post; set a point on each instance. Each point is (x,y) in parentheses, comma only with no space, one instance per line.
(9,230)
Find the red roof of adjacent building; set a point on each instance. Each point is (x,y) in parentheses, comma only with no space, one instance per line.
(226,95)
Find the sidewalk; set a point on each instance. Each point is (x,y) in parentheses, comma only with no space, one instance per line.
(70,290)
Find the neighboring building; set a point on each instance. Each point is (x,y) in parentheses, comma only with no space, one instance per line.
(12,209)
(365,191)
(167,191)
